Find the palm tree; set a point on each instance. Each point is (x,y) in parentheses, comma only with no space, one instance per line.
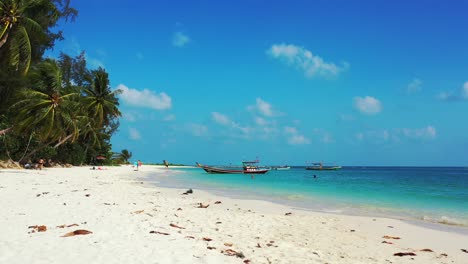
(125,155)
(15,30)
(101,102)
(47,109)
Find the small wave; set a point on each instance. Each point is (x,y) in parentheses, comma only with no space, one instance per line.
(445,220)
(295,197)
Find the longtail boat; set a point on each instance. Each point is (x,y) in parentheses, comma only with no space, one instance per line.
(320,166)
(248,167)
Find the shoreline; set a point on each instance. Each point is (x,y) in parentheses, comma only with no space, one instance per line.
(370,211)
(121,211)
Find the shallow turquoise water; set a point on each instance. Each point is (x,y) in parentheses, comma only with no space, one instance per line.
(430,194)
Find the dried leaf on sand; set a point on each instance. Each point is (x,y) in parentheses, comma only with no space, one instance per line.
(207,239)
(77,233)
(391,237)
(200,205)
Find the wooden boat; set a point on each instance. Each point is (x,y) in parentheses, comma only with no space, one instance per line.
(248,167)
(320,166)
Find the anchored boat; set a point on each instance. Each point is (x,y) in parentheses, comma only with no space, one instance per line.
(321,166)
(248,167)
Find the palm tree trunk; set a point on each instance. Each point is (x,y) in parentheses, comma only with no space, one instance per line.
(4,131)
(3,40)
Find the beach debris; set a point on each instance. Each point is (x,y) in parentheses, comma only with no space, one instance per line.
(228,244)
(390,226)
(77,233)
(176,226)
(246,261)
(217,202)
(442,255)
(207,239)
(210,248)
(391,237)
(200,205)
(230,252)
(179,209)
(401,254)
(219,223)
(258,245)
(464,250)
(87,195)
(37,195)
(190,237)
(386,242)
(426,250)
(288,213)
(352,230)
(159,233)
(139,212)
(269,244)
(63,226)
(38,228)
(189,191)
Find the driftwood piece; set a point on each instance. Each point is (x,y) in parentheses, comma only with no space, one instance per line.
(401,254)
(200,205)
(159,233)
(176,226)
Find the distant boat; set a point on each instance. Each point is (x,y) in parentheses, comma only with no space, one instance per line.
(248,167)
(285,167)
(320,166)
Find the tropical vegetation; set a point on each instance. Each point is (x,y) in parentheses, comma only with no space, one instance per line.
(56,109)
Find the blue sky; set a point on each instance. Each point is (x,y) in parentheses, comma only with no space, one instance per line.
(374,83)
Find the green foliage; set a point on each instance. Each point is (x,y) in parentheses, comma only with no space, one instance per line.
(51,109)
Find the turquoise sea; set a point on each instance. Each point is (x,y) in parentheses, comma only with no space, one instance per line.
(426,194)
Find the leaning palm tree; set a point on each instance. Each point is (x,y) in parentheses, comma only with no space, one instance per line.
(125,155)
(47,109)
(15,29)
(101,102)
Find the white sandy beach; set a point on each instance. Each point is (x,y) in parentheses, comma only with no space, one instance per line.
(121,211)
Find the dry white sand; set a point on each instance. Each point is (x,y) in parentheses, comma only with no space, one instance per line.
(120,211)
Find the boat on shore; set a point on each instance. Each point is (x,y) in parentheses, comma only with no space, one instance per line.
(248,167)
(321,166)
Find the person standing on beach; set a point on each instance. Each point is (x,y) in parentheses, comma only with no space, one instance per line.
(135,164)
(139,163)
(41,163)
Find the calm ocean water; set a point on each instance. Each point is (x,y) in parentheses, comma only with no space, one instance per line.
(438,194)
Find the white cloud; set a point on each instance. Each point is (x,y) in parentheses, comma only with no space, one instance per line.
(414,86)
(260,121)
(180,39)
(324,136)
(465,90)
(294,137)
(220,118)
(198,130)
(428,132)
(367,105)
(134,134)
(145,98)
(169,117)
(395,135)
(290,130)
(298,140)
(455,96)
(129,117)
(264,108)
(303,59)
